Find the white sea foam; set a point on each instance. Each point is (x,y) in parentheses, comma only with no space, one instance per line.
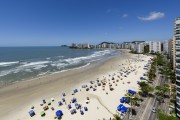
(38,67)
(4,64)
(36,63)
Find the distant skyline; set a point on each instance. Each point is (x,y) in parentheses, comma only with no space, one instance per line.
(58,22)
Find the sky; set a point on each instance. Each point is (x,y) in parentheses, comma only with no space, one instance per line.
(58,22)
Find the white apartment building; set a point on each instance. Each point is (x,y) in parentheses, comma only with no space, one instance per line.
(165,47)
(138,47)
(177,53)
(155,47)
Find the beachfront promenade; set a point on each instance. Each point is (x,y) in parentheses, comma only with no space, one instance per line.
(99,91)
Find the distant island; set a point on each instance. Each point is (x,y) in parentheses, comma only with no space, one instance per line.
(64,46)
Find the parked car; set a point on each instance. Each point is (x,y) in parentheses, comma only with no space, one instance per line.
(154,109)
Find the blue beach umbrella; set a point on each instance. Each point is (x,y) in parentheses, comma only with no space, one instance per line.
(59,114)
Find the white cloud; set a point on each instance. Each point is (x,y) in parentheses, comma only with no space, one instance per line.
(152,16)
(124,15)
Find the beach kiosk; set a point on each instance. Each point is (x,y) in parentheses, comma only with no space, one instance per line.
(59,114)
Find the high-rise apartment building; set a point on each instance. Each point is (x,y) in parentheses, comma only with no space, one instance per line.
(177,53)
(155,47)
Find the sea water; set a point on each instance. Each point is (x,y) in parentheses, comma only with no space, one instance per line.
(22,63)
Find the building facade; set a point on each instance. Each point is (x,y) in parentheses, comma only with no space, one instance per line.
(177,47)
(155,47)
(165,47)
(172,52)
(138,47)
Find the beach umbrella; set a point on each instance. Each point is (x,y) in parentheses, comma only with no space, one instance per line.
(42,113)
(119,107)
(31,113)
(63,94)
(124,109)
(75,90)
(85,108)
(91,82)
(59,114)
(60,103)
(32,107)
(45,108)
(69,106)
(87,98)
(52,99)
(52,108)
(73,100)
(44,101)
(63,99)
(49,103)
(82,113)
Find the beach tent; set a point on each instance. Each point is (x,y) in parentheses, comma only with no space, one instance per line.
(119,107)
(44,101)
(127,100)
(132,91)
(85,108)
(122,100)
(59,114)
(31,113)
(42,113)
(60,103)
(124,109)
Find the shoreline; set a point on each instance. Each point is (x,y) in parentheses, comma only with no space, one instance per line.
(52,85)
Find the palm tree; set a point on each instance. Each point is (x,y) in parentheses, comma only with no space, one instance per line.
(116,117)
(145,88)
(161,91)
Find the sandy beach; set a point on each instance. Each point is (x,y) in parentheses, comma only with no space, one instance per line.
(17,99)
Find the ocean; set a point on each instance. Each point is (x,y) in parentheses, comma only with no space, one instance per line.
(22,63)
